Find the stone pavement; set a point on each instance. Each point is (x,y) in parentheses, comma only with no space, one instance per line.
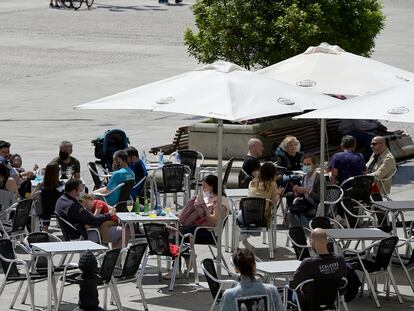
(51,60)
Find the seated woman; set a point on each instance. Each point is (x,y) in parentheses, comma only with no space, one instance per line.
(8,191)
(203,211)
(50,182)
(306,202)
(263,186)
(288,154)
(25,185)
(249,291)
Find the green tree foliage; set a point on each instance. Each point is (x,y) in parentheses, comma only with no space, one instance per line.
(263,32)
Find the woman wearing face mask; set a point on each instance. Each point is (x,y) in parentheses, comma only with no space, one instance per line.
(305,204)
(203,211)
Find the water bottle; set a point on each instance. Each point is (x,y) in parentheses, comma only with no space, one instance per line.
(161,157)
(146,205)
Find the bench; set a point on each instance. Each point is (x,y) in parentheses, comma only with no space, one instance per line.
(180,142)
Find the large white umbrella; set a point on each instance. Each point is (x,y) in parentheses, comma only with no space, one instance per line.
(392,104)
(220,90)
(329,69)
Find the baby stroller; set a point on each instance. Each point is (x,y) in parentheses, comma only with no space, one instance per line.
(106,145)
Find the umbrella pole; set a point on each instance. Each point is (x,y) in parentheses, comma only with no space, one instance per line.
(321,209)
(219,194)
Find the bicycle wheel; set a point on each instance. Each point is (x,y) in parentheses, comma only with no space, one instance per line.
(66,3)
(76,4)
(89,3)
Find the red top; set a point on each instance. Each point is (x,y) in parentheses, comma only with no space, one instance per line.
(104,209)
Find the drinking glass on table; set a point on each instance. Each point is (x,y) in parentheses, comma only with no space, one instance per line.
(130,205)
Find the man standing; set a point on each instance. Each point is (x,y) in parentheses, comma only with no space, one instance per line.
(325,264)
(251,164)
(382,164)
(121,173)
(347,163)
(65,161)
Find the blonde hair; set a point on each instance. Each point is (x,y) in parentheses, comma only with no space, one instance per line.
(289,140)
(87,196)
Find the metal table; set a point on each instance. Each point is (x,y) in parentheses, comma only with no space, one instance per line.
(273,269)
(54,248)
(233,195)
(396,207)
(357,234)
(131,218)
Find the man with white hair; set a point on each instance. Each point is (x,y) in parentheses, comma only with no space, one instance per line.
(251,164)
(381,164)
(65,160)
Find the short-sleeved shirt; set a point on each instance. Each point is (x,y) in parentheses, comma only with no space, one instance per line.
(118,177)
(73,163)
(321,266)
(104,209)
(250,164)
(348,164)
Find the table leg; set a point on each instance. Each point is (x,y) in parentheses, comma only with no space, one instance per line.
(394,224)
(49,282)
(123,234)
(151,191)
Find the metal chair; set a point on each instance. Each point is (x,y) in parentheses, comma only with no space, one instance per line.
(191,158)
(380,182)
(214,283)
(18,226)
(173,179)
(125,191)
(333,195)
(98,179)
(358,188)
(129,271)
(157,235)
(109,260)
(317,294)
(356,215)
(70,232)
(254,219)
(324,223)
(9,264)
(228,165)
(376,265)
(297,236)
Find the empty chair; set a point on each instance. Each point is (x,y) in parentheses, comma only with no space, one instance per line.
(214,283)
(358,188)
(333,195)
(228,165)
(157,235)
(324,223)
(298,238)
(130,266)
(355,214)
(9,264)
(18,226)
(380,264)
(105,273)
(173,182)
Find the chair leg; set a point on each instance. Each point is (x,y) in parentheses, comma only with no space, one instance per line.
(143,266)
(174,272)
(264,237)
(17,293)
(215,298)
(105,297)
(62,287)
(371,286)
(24,297)
(141,292)
(159,268)
(394,284)
(115,294)
(271,248)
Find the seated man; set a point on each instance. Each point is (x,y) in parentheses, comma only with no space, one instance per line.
(138,167)
(347,163)
(251,164)
(382,164)
(69,208)
(121,173)
(325,264)
(65,161)
(248,288)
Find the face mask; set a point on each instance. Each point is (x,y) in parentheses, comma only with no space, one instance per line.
(207,195)
(307,168)
(63,155)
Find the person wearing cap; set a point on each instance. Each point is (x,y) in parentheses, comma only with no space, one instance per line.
(347,163)
(381,164)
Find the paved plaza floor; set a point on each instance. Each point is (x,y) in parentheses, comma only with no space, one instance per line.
(52,60)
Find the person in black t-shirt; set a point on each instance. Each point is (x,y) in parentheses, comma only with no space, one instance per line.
(251,164)
(325,264)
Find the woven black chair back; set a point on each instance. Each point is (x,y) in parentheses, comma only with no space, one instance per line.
(21,216)
(6,250)
(384,252)
(173,178)
(332,193)
(214,287)
(227,172)
(126,190)
(189,158)
(253,212)
(108,264)
(321,222)
(133,259)
(157,238)
(321,294)
(297,234)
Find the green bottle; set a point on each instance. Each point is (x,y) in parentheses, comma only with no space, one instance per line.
(146,206)
(136,207)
